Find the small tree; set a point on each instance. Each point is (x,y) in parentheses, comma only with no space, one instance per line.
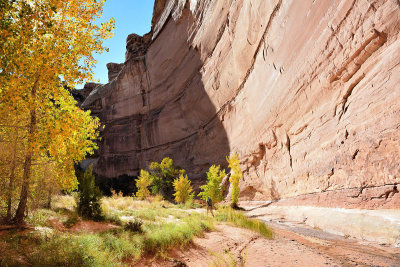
(163,175)
(89,196)
(183,189)
(213,187)
(236,174)
(142,183)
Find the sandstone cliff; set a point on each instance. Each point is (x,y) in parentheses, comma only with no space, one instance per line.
(307,92)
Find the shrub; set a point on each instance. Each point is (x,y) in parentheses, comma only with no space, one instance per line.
(213,188)
(134,226)
(236,174)
(183,189)
(163,175)
(71,220)
(142,183)
(89,196)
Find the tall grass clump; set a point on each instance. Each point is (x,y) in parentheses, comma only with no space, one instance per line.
(160,238)
(67,250)
(237,218)
(40,217)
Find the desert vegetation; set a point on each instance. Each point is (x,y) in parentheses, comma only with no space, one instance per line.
(129,230)
(83,228)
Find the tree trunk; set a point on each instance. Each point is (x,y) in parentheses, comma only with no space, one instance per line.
(19,216)
(12,177)
(50,193)
(48,187)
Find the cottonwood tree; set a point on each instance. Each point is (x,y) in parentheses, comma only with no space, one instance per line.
(183,189)
(163,175)
(213,188)
(236,174)
(45,45)
(142,183)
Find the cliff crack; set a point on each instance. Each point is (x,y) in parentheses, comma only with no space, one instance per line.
(347,95)
(221,31)
(329,180)
(148,85)
(355,154)
(288,148)
(359,192)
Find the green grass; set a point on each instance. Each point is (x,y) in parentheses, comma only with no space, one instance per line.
(161,237)
(227,259)
(237,218)
(40,217)
(71,250)
(163,226)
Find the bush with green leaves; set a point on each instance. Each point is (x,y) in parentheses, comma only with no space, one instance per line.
(213,188)
(236,174)
(163,175)
(142,183)
(89,196)
(183,189)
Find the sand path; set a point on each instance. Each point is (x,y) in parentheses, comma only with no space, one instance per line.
(292,246)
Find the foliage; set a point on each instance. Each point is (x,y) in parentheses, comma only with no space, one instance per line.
(114,194)
(134,226)
(237,218)
(40,217)
(162,228)
(44,47)
(236,174)
(89,196)
(164,174)
(213,188)
(183,189)
(142,183)
(67,250)
(160,238)
(115,247)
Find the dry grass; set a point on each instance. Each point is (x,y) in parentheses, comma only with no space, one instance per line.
(163,226)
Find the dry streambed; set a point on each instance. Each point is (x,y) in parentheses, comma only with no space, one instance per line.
(295,244)
(231,246)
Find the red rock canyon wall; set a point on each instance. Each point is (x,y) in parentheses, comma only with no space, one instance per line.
(307,92)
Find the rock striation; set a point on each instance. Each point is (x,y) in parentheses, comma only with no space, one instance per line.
(307,92)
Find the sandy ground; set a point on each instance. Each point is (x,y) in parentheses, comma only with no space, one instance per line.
(294,244)
(228,245)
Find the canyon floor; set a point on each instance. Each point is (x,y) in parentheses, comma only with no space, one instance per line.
(294,244)
(231,246)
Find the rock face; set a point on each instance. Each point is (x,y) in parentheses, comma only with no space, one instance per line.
(307,92)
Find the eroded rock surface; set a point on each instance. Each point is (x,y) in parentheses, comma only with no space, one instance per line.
(307,92)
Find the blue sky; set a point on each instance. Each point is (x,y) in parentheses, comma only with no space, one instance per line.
(131,16)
